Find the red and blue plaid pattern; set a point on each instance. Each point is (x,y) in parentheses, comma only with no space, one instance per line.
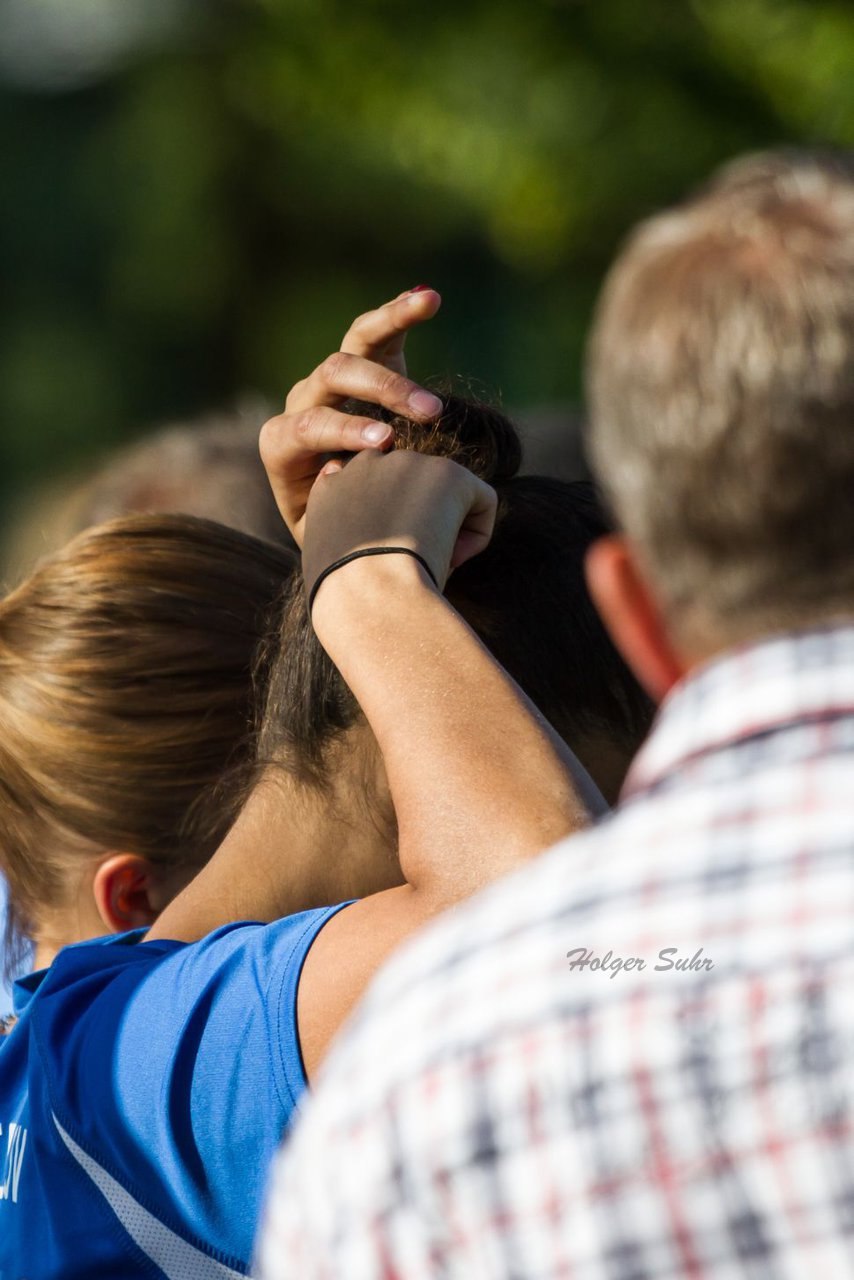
(498,1111)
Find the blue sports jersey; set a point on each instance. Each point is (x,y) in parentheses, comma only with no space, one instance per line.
(143,1093)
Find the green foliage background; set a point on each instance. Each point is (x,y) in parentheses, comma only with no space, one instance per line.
(204,216)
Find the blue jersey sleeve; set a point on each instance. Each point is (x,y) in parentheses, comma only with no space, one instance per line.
(176,1068)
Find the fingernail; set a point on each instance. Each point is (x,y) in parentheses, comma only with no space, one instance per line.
(414,295)
(375,432)
(425,404)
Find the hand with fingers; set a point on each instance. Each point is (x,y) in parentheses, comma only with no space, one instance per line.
(369,366)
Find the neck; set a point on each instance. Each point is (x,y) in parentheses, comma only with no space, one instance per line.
(75,920)
(316,847)
(292,848)
(44,953)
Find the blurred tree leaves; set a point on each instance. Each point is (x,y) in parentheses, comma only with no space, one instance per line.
(206,216)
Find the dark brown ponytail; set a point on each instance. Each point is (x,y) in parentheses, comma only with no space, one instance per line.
(525,596)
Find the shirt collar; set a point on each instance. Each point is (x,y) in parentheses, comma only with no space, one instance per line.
(23,990)
(748,692)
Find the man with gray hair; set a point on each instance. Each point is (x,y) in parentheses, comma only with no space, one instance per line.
(635,1057)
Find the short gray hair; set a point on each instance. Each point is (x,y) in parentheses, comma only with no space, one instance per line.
(721,385)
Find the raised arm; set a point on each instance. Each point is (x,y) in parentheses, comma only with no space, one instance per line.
(479,781)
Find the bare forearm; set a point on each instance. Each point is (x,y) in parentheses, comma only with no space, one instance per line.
(479,780)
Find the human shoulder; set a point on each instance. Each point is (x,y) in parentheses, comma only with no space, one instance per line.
(108,955)
(213,1024)
(139,995)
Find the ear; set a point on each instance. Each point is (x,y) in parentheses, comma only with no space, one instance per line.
(630,612)
(125,888)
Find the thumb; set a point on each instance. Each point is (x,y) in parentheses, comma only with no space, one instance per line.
(476,529)
(329,468)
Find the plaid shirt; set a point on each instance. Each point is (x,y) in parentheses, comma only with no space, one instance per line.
(497,1110)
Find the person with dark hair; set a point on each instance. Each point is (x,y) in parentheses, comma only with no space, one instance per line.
(150,1074)
(635,1057)
(524,595)
(525,598)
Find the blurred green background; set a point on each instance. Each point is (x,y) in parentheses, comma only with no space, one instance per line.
(198,197)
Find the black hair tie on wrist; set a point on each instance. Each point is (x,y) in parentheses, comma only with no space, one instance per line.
(368,551)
